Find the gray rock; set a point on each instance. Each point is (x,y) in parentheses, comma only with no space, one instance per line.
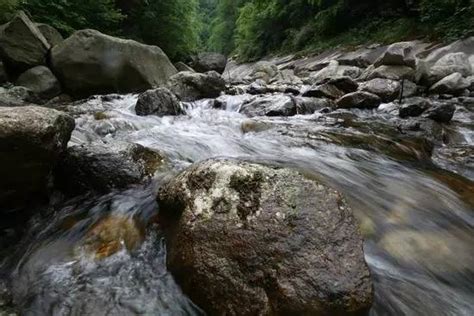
(324,90)
(333,70)
(469,79)
(17,96)
(180,66)
(398,54)
(414,107)
(31,141)
(281,243)
(359,99)
(447,65)
(90,62)
(41,81)
(389,72)
(205,62)
(22,46)
(101,168)
(388,90)
(441,112)
(453,84)
(158,102)
(310,105)
(263,70)
(50,33)
(272,105)
(344,83)
(189,86)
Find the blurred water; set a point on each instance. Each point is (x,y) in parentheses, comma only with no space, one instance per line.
(417,219)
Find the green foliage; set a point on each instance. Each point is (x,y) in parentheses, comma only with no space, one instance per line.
(70,15)
(7,9)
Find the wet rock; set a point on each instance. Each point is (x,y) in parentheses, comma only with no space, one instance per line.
(388,90)
(398,54)
(433,250)
(41,81)
(287,77)
(389,72)
(31,142)
(414,107)
(89,62)
(180,66)
(263,70)
(273,105)
(189,86)
(255,229)
(159,102)
(441,112)
(17,96)
(345,84)
(310,105)
(111,235)
(249,126)
(50,33)
(453,84)
(205,62)
(469,79)
(334,70)
(104,167)
(22,46)
(324,90)
(359,99)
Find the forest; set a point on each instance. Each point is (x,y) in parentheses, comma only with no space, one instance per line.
(251,29)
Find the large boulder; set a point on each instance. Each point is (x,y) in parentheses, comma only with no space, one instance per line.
(41,81)
(190,86)
(50,33)
(17,96)
(22,45)
(441,112)
(31,141)
(388,90)
(98,167)
(398,54)
(447,65)
(334,69)
(389,72)
(205,62)
(90,62)
(360,100)
(180,66)
(159,102)
(247,239)
(413,107)
(272,105)
(325,90)
(452,84)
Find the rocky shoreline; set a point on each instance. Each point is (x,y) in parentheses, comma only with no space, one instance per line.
(243,238)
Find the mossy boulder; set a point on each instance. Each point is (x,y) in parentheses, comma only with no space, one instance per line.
(249,239)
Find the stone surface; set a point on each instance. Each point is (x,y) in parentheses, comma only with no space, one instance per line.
(388,90)
(270,105)
(207,61)
(22,45)
(310,105)
(41,81)
(98,167)
(50,33)
(447,65)
(89,62)
(389,72)
(441,112)
(247,239)
(31,141)
(344,83)
(159,102)
(453,84)
(189,86)
(397,54)
(414,107)
(359,99)
(180,66)
(17,96)
(325,90)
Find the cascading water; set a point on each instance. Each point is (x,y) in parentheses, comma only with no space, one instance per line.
(417,218)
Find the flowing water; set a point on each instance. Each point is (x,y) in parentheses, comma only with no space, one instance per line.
(417,218)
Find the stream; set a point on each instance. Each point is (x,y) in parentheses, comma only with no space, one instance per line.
(416,215)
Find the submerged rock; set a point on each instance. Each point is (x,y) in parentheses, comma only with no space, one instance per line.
(359,99)
(247,239)
(190,86)
(89,62)
(105,167)
(273,105)
(158,102)
(41,81)
(22,46)
(31,142)
(205,62)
